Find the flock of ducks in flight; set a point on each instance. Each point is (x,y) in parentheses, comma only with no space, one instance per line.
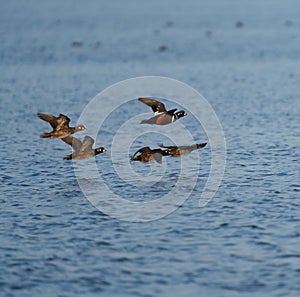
(84,149)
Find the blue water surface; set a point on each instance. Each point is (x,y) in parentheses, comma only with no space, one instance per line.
(55,56)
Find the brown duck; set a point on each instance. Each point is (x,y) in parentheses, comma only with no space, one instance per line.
(162,116)
(82,149)
(146,154)
(60,126)
(176,151)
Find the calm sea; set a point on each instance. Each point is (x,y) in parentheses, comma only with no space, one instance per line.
(243,57)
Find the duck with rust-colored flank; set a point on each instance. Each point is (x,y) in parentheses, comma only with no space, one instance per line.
(82,149)
(60,126)
(146,154)
(176,151)
(161,115)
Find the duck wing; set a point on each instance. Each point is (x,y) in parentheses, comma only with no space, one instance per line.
(157,157)
(62,121)
(74,142)
(49,118)
(157,106)
(87,143)
(56,122)
(145,149)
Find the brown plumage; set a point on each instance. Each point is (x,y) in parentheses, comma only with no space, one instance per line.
(176,151)
(146,154)
(161,115)
(82,149)
(60,126)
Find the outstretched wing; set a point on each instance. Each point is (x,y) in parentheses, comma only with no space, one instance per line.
(56,122)
(145,149)
(157,157)
(62,121)
(51,119)
(87,144)
(157,106)
(74,142)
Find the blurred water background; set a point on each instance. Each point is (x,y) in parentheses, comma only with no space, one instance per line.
(243,56)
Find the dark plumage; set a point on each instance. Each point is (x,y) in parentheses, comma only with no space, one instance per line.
(161,115)
(82,149)
(60,126)
(146,154)
(176,151)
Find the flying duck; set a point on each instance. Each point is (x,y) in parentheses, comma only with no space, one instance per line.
(146,154)
(82,149)
(60,126)
(161,115)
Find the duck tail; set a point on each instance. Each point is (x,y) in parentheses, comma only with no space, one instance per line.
(201,145)
(45,135)
(144,122)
